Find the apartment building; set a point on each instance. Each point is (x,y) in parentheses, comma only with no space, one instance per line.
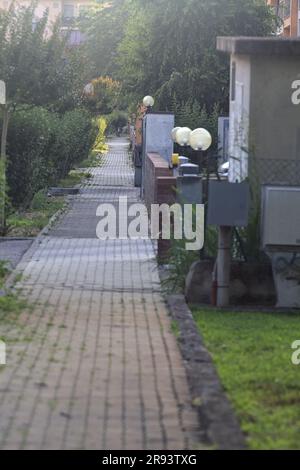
(289,12)
(68,10)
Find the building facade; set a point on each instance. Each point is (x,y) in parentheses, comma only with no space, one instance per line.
(289,12)
(264,131)
(68,10)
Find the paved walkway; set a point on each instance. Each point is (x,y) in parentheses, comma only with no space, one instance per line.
(92,362)
(12,250)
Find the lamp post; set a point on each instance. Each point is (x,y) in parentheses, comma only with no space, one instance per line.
(199,139)
(148,102)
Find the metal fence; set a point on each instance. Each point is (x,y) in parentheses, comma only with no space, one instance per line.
(246,242)
(273,171)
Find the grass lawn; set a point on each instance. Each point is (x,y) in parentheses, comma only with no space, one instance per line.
(30,222)
(74,177)
(252,353)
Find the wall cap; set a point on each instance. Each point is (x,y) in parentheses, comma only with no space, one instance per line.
(259,45)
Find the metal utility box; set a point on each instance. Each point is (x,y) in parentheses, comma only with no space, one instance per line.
(281,218)
(228,204)
(189,189)
(138,177)
(189,169)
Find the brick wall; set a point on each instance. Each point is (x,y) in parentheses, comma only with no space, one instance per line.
(159,189)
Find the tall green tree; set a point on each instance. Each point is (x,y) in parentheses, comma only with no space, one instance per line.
(37,69)
(169,46)
(104,30)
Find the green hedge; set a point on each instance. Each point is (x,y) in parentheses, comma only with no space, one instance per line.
(43,147)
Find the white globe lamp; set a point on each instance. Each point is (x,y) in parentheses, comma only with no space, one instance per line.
(183,136)
(200,139)
(173,133)
(148,101)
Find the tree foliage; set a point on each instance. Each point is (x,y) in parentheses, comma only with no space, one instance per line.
(104,30)
(37,67)
(43,146)
(105,94)
(169,47)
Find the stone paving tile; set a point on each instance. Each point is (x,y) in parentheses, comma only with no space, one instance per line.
(13,250)
(92,362)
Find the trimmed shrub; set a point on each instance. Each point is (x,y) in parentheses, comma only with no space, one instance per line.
(43,147)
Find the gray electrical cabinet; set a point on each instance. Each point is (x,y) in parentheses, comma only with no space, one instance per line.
(228,204)
(280,218)
(189,189)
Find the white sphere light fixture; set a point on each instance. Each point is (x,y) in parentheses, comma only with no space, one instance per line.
(183,136)
(148,101)
(173,133)
(200,139)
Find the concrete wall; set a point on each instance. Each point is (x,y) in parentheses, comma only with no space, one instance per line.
(157,134)
(157,128)
(160,187)
(275,120)
(55,7)
(264,135)
(250,283)
(155,167)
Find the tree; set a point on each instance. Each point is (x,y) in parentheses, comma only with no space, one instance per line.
(169,48)
(104,30)
(37,69)
(104,96)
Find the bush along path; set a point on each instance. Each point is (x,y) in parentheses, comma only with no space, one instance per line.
(97,365)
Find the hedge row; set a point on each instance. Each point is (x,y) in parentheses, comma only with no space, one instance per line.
(43,147)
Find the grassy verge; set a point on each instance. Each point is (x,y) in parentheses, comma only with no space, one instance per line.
(252,353)
(9,303)
(74,177)
(4,271)
(93,161)
(30,222)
